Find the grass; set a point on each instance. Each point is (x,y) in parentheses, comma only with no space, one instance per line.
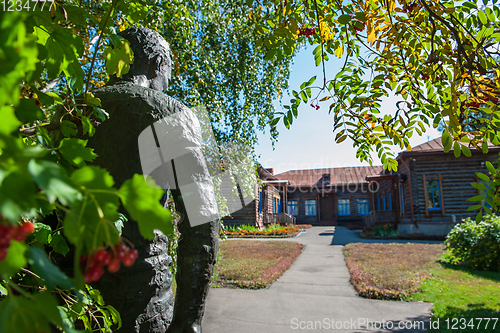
(413,272)
(389,271)
(253,264)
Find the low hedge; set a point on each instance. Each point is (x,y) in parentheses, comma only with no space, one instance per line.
(475,245)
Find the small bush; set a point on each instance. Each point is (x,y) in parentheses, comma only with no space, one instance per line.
(475,245)
(384,230)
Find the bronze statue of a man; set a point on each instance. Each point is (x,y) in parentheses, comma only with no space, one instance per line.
(143,124)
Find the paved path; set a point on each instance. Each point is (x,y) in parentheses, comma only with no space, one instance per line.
(314,295)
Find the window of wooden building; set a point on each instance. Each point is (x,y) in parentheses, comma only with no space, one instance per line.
(310,207)
(261,203)
(433,194)
(293,207)
(401,199)
(362,207)
(344,207)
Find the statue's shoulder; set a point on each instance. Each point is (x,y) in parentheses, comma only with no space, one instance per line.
(139,99)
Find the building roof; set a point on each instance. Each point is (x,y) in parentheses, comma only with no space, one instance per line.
(338,176)
(436,147)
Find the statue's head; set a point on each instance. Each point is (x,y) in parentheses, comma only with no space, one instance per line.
(152,58)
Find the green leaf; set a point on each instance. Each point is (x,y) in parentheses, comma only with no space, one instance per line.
(482,17)
(471,208)
(100,113)
(119,58)
(68,128)
(92,220)
(115,316)
(87,126)
(466,151)
(447,141)
(479,217)
(479,186)
(50,273)
(344,19)
(17,195)
(42,233)
(483,177)
(456,149)
(92,100)
(27,111)
(311,81)
(141,199)
(76,152)
(50,178)
(490,167)
(58,243)
(9,122)
(476,198)
(14,260)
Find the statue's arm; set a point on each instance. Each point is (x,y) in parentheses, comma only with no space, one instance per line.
(196,257)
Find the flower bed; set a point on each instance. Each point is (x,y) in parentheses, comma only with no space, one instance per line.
(272,230)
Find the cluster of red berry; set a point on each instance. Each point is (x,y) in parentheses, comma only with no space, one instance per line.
(13,232)
(93,264)
(307,32)
(314,106)
(485,99)
(410,7)
(356,27)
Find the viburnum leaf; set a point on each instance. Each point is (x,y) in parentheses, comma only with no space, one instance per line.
(50,273)
(13,261)
(119,58)
(17,195)
(42,233)
(141,199)
(58,243)
(27,111)
(68,128)
(18,314)
(50,177)
(92,220)
(76,152)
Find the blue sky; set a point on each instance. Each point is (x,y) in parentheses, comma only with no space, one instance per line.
(310,141)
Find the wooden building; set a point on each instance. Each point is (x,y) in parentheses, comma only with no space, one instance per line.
(328,196)
(429,192)
(268,205)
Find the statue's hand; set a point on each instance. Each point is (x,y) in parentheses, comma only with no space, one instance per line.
(176,327)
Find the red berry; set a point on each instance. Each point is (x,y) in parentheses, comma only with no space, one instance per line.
(82,260)
(19,235)
(96,273)
(128,260)
(134,253)
(121,251)
(87,277)
(28,227)
(101,255)
(114,265)
(37,102)
(108,258)
(3,252)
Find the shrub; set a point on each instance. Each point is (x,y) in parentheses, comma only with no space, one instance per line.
(475,245)
(382,230)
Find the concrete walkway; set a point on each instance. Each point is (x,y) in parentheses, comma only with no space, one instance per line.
(314,295)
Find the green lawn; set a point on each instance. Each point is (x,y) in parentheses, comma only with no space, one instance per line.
(413,272)
(253,264)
